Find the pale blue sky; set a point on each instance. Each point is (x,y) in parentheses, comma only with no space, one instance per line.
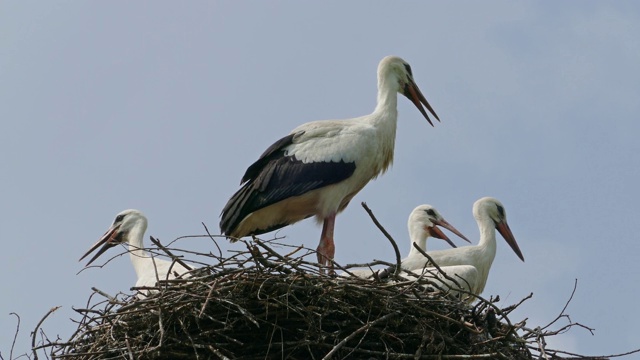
(149,105)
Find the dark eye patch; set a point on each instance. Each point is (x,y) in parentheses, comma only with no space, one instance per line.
(501,211)
(119,218)
(408,68)
(431,212)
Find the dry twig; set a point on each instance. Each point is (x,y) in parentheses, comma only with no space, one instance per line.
(387,235)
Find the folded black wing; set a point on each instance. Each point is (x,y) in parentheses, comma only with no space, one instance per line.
(276,177)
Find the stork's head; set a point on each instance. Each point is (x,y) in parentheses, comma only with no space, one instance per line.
(491,208)
(424,221)
(118,233)
(397,73)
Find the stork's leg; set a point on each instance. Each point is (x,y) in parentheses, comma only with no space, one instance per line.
(326,249)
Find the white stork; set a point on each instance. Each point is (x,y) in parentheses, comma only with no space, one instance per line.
(129,226)
(321,165)
(423,223)
(490,215)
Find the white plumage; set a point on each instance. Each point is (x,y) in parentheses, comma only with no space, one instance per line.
(129,226)
(465,277)
(320,166)
(490,216)
(423,223)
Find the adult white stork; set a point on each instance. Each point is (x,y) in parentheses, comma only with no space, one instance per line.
(423,223)
(129,226)
(490,216)
(320,166)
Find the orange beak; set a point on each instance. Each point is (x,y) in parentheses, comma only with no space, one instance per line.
(505,231)
(413,93)
(108,240)
(437,233)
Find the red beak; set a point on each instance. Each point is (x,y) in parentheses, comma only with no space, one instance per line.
(445,224)
(437,233)
(108,240)
(413,93)
(505,231)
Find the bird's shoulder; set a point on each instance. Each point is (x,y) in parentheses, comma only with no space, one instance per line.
(317,141)
(331,140)
(331,129)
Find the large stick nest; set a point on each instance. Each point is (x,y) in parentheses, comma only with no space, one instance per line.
(258,304)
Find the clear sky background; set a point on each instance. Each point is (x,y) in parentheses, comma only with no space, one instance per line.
(161,107)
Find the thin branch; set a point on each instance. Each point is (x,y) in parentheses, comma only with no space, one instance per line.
(212,239)
(257,255)
(575,286)
(111,298)
(387,235)
(366,326)
(15,336)
(432,262)
(173,257)
(274,253)
(218,353)
(510,308)
(369,264)
(35,331)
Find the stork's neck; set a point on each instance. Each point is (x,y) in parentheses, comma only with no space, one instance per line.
(387,106)
(138,256)
(487,238)
(385,119)
(417,236)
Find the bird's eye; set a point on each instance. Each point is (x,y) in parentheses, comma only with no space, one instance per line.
(119,218)
(501,211)
(431,212)
(408,68)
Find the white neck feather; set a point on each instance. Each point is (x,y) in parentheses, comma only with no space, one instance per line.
(387,105)
(487,236)
(139,257)
(417,236)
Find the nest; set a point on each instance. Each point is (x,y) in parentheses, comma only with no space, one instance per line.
(259,304)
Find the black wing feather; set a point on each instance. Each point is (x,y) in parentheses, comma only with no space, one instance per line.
(271,153)
(276,177)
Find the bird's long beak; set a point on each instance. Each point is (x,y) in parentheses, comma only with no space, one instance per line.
(413,93)
(505,231)
(438,234)
(108,240)
(445,224)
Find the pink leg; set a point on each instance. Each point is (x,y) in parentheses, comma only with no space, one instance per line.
(327,249)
